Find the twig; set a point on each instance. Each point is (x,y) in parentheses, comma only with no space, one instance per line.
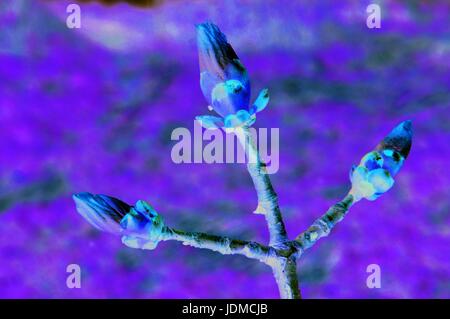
(221,244)
(225,85)
(142,227)
(267,198)
(284,267)
(322,226)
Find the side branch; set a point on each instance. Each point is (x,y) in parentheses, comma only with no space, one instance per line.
(221,244)
(140,226)
(267,198)
(323,225)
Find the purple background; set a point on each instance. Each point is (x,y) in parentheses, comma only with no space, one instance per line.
(92,109)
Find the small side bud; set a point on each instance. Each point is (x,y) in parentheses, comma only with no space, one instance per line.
(142,227)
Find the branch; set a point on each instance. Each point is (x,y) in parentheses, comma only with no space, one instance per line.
(370,179)
(284,268)
(267,198)
(323,225)
(140,226)
(221,244)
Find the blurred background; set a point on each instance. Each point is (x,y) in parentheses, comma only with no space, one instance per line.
(92,109)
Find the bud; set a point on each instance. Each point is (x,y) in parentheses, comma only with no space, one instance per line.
(139,225)
(101,211)
(399,140)
(142,227)
(224,81)
(375,173)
